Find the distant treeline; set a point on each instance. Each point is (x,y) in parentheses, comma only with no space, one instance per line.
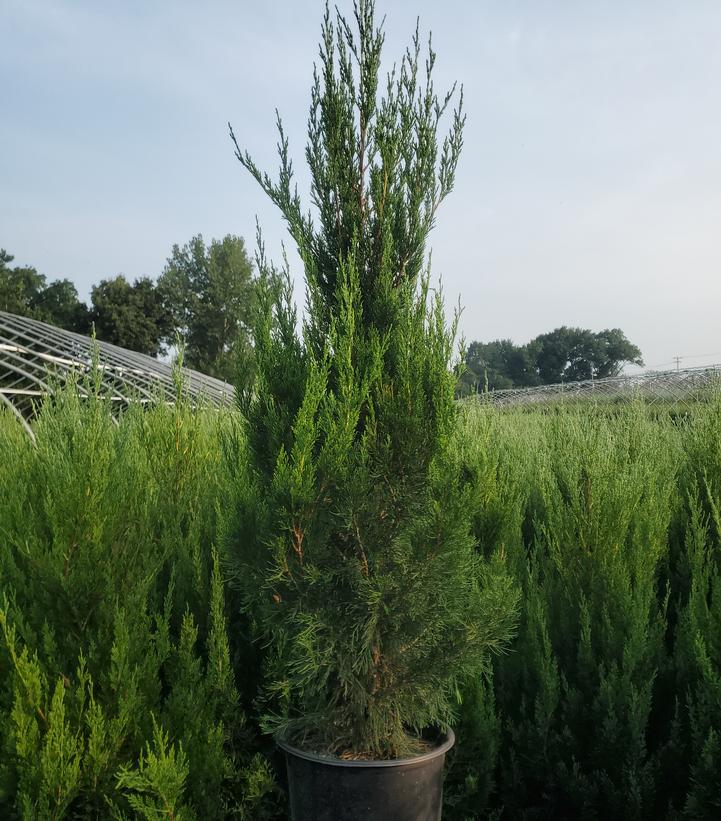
(202,298)
(563,355)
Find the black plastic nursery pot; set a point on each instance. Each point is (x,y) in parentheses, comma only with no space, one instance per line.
(323,788)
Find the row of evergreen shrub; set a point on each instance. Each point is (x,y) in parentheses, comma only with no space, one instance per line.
(608,703)
(118,695)
(127,677)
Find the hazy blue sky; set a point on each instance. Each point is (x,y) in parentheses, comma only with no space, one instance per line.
(589,192)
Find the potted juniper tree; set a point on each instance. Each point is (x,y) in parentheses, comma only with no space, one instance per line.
(350,532)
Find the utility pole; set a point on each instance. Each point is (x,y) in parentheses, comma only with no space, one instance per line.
(677,360)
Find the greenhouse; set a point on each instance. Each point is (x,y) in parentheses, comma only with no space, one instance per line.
(35,357)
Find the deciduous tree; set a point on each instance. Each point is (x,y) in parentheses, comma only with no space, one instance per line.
(572,354)
(209,292)
(563,355)
(24,291)
(131,315)
(60,305)
(19,286)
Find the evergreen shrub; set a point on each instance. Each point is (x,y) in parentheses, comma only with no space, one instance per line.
(353,541)
(127,680)
(607,703)
(117,693)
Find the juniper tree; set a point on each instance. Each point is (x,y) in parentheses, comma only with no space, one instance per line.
(351,537)
(579,694)
(697,650)
(116,683)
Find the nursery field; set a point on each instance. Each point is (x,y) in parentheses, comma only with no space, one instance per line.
(130,684)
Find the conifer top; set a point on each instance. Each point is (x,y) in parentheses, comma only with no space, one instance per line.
(352,540)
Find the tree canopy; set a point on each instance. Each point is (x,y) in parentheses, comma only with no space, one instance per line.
(206,293)
(209,291)
(132,316)
(563,355)
(24,291)
(60,305)
(203,297)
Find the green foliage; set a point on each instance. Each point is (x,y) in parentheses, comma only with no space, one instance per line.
(126,676)
(24,291)
(498,365)
(58,304)
(155,788)
(607,704)
(473,762)
(353,541)
(204,298)
(698,653)
(593,623)
(572,354)
(563,355)
(19,286)
(117,693)
(132,316)
(378,173)
(210,292)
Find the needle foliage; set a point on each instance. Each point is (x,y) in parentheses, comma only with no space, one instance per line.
(352,540)
(127,682)
(118,697)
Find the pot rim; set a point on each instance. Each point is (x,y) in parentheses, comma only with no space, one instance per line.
(448,739)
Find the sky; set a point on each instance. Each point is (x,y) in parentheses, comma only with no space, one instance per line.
(588,193)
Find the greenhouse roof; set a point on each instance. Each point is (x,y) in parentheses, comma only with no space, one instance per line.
(35,356)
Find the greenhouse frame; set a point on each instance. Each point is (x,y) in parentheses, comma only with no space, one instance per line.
(36,357)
